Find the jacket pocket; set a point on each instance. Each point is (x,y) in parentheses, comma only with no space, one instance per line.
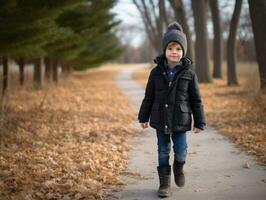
(183,115)
(183,83)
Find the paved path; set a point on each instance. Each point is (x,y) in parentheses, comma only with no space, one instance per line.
(214,169)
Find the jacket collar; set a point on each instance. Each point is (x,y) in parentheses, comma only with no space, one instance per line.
(161,60)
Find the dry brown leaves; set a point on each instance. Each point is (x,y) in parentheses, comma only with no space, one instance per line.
(65,142)
(238,112)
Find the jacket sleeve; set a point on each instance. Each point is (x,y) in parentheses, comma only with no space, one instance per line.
(146,106)
(196,103)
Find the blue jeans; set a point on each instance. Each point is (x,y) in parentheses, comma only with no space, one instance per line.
(164,147)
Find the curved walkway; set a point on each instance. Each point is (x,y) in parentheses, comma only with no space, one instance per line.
(215,169)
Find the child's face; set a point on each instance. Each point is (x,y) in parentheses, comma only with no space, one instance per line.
(173,53)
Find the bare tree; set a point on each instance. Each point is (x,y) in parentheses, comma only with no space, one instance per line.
(257,11)
(231,46)
(180,16)
(217,40)
(201,44)
(163,12)
(153,20)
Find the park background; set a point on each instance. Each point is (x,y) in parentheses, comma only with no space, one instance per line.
(65,126)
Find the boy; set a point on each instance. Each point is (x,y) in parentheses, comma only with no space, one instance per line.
(171,97)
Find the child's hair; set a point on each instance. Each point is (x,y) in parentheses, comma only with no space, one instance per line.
(174,33)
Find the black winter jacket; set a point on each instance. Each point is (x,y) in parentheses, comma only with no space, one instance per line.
(169,105)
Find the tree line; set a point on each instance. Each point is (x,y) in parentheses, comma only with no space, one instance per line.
(156,14)
(72,34)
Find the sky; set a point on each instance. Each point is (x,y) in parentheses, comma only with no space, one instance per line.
(131,27)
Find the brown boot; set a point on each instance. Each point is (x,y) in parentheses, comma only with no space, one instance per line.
(179,173)
(165,181)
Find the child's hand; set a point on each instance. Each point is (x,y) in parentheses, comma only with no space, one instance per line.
(196,130)
(144,125)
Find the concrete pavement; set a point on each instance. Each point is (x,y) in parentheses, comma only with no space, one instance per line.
(215,169)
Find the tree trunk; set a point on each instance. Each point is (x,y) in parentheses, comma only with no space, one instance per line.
(180,16)
(201,45)
(152,23)
(55,71)
(67,69)
(159,21)
(163,12)
(257,11)
(48,68)
(38,75)
(231,46)
(217,41)
(5,76)
(21,64)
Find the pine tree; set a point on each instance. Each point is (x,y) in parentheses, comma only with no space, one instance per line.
(27,26)
(94,23)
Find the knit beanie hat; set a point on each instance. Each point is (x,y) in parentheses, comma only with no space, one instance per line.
(174,33)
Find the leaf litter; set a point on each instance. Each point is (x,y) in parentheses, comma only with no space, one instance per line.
(68,141)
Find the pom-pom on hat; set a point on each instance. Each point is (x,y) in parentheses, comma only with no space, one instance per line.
(174,33)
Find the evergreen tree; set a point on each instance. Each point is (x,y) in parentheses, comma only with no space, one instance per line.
(76,32)
(26,26)
(94,23)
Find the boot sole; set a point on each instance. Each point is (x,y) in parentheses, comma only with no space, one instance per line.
(164,195)
(180,185)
